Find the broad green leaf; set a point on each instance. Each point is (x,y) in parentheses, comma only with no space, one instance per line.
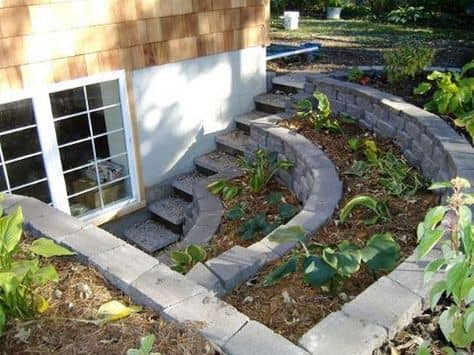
(287,211)
(45,274)
(432,268)
(216,186)
(455,278)
(347,263)
(330,257)
(359,168)
(436,292)
(434,217)
(420,230)
(22,267)
(423,350)
(229,192)
(429,240)
(381,252)
(422,89)
(274,198)
(467,290)
(316,271)
(467,238)
(446,321)
(364,201)
(286,269)
(459,336)
(8,282)
(115,310)
(11,229)
(291,234)
(47,248)
(180,257)
(147,343)
(354,144)
(237,212)
(197,253)
(447,351)
(440,185)
(178,268)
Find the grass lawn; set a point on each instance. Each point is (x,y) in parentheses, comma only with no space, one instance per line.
(367,33)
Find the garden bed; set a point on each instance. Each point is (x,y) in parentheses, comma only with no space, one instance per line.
(81,290)
(291,307)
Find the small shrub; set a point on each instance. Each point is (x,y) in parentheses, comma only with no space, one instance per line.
(408,14)
(184,260)
(146,345)
(330,266)
(451,226)
(262,168)
(408,58)
(380,208)
(355,74)
(320,119)
(223,188)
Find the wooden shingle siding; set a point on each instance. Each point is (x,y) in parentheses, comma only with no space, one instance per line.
(44,41)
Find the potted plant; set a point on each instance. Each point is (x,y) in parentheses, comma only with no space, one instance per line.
(333,9)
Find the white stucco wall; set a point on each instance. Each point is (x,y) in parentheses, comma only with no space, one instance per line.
(182,106)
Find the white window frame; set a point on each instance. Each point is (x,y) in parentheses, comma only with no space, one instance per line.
(49,145)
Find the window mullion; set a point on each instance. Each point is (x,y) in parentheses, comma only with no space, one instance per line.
(49,147)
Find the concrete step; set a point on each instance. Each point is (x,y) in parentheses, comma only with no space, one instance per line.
(184,183)
(292,82)
(150,236)
(170,209)
(217,162)
(234,142)
(243,121)
(271,103)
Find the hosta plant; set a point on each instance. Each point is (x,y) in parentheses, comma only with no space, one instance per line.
(24,272)
(262,168)
(329,266)
(408,58)
(378,207)
(321,117)
(451,227)
(224,189)
(146,345)
(184,260)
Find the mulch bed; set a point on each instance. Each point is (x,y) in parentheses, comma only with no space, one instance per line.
(228,234)
(53,332)
(291,307)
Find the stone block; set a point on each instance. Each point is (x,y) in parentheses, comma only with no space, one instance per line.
(123,265)
(370,119)
(429,168)
(403,139)
(215,319)
(339,334)
(427,144)
(338,107)
(384,129)
(309,220)
(161,287)
(417,150)
(355,111)
(235,266)
(412,129)
(31,207)
(380,112)
(346,97)
(210,203)
(55,225)
(387,304)
(91,241)
(411,157)
(256,339)
(201,275)
(199,235)
(272,247)
(396,121)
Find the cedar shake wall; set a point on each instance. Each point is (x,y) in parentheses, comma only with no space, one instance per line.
(46,41)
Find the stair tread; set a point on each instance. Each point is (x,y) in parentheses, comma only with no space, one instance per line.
(170,209)
(237,140)
(247,118)
(291,80)
(185,182)
(273,100)
(219,162)
(151,236)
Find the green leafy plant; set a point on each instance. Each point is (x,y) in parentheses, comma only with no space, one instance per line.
(453,95)
(354,74)
(408,58)
(146,345)
(22,275)
(335,3)
(379,208)
(408,14)
(320,118)
(255,226)
(262,168)
(366,146)
(184,260)
(451,227)
(223,188)
(330,266)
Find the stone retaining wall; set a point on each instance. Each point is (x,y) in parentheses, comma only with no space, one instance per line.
(313,180)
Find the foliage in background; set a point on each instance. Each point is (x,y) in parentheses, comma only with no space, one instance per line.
(184,260)
(320,118)
(354,74)
(408,15)
(329,267)
(223,188)
(22,273)
(146,345)
(453,95)
(378,207)
(262,168)
(451,226)
(408,58)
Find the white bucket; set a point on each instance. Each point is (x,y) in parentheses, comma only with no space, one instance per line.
(291,20)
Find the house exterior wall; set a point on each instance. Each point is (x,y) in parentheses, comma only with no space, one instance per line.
(182,106)
(45,41)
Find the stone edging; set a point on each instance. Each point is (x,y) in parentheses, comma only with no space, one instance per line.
(389,304)
(314,181)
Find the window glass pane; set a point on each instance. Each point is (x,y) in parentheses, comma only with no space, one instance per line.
(116,191)
(106,120)
(84,203)
(3,182)
(103,94)
(81,180)
(72,129)
(21,143)
(39,191)
(16,114)
(25,171)
(67,102)
(109,145)
(112,169)
(76,155)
